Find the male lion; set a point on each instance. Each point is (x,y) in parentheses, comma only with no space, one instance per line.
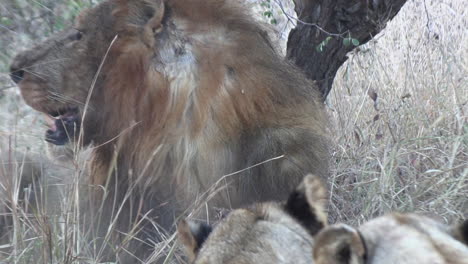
(262,233)
(175,97)
(395,238)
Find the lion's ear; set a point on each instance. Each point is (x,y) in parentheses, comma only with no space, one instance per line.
(307,204)
(140,14)
(192,235)
(460,232)
(339,244)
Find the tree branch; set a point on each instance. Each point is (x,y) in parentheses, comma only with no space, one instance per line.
(328,29)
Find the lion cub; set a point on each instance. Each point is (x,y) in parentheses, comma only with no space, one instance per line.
(393,239)
(262,233)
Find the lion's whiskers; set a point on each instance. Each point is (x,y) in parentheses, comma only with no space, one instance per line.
(64,99)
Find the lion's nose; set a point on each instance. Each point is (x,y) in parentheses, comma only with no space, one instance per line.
(16,74)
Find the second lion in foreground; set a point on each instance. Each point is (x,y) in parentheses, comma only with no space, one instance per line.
(280,233)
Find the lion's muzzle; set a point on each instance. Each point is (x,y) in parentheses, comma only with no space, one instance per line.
(64,127)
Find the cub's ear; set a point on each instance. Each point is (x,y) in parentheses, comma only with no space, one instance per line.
(192,235)
(339,244)
(460,232)
(307,204)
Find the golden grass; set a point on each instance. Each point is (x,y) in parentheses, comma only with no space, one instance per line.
(407,150)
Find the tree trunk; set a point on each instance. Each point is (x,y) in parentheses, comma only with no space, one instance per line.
(328,29)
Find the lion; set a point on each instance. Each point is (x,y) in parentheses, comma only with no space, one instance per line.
(262,233)
(175,98)
(394,238)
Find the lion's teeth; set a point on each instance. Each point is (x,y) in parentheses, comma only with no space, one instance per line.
(50,120)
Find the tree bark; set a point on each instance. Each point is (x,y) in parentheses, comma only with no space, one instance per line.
(328,29)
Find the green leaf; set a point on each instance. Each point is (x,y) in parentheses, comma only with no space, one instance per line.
(355,42)
(347,41)
(273,21)
(319,47)
(267,13)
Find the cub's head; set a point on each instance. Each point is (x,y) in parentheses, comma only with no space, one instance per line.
(262,233)
(396,238)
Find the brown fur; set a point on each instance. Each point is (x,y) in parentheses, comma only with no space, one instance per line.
(189,91)
(395,238)
(262,233)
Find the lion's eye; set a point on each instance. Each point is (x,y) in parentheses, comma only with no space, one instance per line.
(77,35)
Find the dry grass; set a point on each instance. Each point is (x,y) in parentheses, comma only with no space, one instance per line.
(405,151)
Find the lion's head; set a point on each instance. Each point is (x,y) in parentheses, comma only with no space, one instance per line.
(55,76)
(93,71)
(124,59)
(394,238)
(261,233)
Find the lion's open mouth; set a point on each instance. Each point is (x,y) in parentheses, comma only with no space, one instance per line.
(64,124)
